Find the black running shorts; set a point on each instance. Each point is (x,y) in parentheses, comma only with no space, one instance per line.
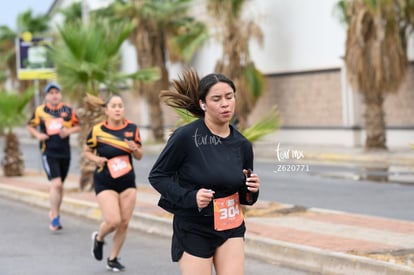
(56,167)
(197,237)
(103,181)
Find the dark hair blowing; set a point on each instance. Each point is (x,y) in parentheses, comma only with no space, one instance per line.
(188,89)
(110,98)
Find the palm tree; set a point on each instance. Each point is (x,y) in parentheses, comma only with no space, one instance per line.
(87,56)
(87,60)
(164,31)
(72,13)
(235,35)
(13,114)
(26,22)
(7,54)
(376,56)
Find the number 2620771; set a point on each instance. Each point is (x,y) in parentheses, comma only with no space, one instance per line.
(280,168)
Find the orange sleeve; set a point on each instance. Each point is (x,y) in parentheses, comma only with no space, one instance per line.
(74,118)
(35,119)
(137,137)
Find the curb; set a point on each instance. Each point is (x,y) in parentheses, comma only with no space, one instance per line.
(319,260)
(289,254)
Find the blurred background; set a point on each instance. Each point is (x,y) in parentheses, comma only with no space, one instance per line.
(327,72)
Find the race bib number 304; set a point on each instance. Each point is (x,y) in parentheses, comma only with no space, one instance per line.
(228,213)
(119,166)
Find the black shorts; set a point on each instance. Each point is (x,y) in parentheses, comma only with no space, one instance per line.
(197,237)
(103,181)
(56,167)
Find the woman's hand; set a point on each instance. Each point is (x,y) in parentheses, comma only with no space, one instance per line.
(132,145)
(135,148)
(252,182)
(42,136)
(100,161)
(204,197)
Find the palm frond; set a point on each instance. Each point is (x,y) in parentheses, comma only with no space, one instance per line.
(6,33)
(147,74)
(185,117)
(226,10)
(267,124)
(163,11)
(12,108)
(254,80)
(6,56)
(26,21)
(339,11)
(88,56)
(187,36)
(72,13)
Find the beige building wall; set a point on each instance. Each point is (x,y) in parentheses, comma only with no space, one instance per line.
(306,99)
(315,100)
(399,107)
(312,102)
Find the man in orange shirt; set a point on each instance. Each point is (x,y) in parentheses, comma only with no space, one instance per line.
(52,124)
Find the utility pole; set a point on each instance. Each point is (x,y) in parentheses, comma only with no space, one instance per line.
(85,11)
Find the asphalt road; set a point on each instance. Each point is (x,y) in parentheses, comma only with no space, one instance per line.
(334,187)
(28,247)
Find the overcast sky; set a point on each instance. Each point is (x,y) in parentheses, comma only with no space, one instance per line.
(9,9)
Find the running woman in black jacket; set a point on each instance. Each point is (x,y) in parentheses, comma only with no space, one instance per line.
(204,175)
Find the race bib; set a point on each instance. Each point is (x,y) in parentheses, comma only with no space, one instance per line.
(53,126)
(119,166)
(228,213)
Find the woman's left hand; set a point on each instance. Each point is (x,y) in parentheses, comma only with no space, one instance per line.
(132,145)
(252,182)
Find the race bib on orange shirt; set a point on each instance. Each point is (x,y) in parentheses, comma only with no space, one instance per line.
(53,126)
(119,166)
(228,213)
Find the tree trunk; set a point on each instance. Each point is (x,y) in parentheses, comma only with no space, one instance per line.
(157,120)
(375,122)
(90,114)
(13,163)
(150,48)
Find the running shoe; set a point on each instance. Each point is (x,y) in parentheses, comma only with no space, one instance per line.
(114,265)
(97,247)
(55,224)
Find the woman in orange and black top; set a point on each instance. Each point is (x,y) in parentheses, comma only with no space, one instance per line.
(111,145)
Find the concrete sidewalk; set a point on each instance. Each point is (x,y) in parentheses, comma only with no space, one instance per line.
(320,241)
(396,156)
